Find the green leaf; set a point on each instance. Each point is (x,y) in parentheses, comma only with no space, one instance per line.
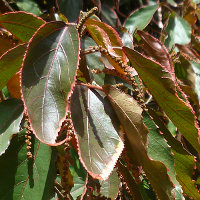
(10,63)
(160,84)
(21,24)
(159,150)
(140,18)
(11,115)
(79,187)
(70,8)
(29,6)
(108,15)
(130,181)
(178,31)
(110,187)
(48,76)
(196,68)
(129,113)
(93,61)
(27,179)
(184,163)
(98,141)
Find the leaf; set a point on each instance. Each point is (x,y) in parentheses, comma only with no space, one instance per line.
(29,6)
(70,8)
(93,61)
(156,50)
(184,163)
(48,76)
(14,87)
(107,37)
(129,113)
(6,42)
(188,80)
(110,187)
(162,87)
(21,24)
(130,181)
(109,16)
(178,31)
(159,150)
(11,115)
(10,63)
(140,18)
(98,142)
(27,179)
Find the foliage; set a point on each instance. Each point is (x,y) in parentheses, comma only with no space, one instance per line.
(99,99)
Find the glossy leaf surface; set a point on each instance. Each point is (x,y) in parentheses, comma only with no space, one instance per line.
(27,179)
(179,31)
(161,86)
(10,63)
(140,18)
(11,115)
(48,75)
(98,141)
(129,112)
(21,24)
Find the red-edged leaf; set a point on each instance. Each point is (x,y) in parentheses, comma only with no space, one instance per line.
(21,24)
(98,141)
(108,38)
(6,42)
(48,77)
(184,163)
(160,84)
(129,113)
(156,50)
(10,63)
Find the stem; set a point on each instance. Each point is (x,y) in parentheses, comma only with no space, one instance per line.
(91,86)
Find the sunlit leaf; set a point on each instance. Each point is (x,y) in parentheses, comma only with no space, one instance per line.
(27,179)
(21,24)
(140,18)
(11,115)
(98,141)
(29,6)
(160,84)
(107,37)
(184,163)
(48,75)
(129,113)
(178,30)
(159,150)
(10,64)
